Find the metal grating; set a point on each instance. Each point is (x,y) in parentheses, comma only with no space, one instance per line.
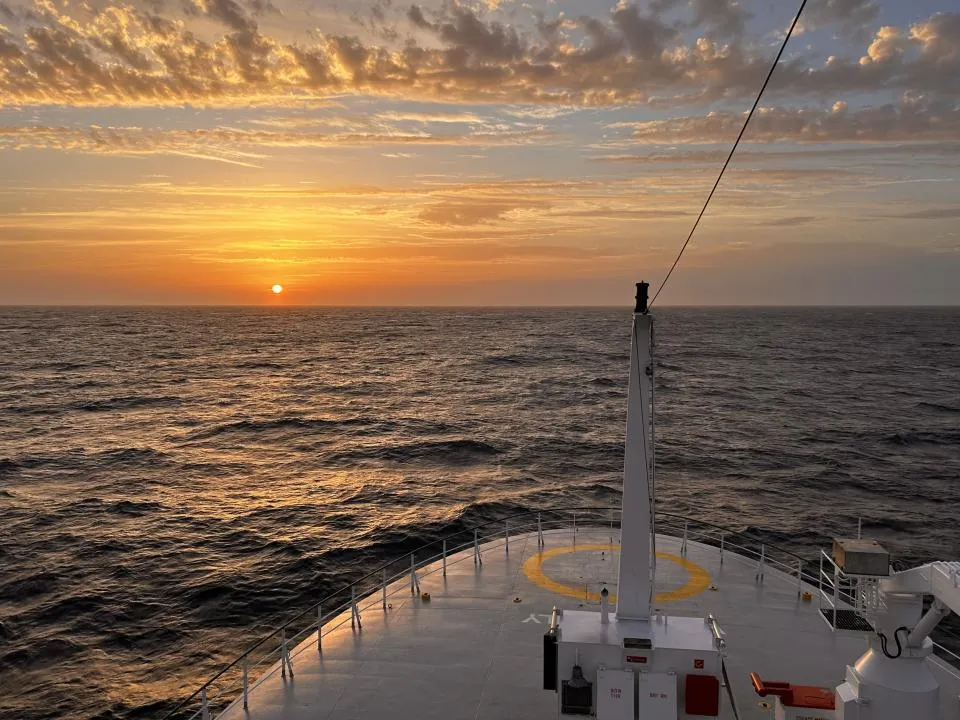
(847,620)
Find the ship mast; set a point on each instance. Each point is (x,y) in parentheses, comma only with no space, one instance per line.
(636,566)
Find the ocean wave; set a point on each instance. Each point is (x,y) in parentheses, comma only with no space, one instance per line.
(447,452)
(42,654)
(39,583)
(129,402)
(511,359)
(78,459)
(120,507)
(254,427)
(924,437)
(940,407)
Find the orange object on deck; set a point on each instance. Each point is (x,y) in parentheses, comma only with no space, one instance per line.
(805,696)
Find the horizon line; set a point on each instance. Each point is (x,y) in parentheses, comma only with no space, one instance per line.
(289,306)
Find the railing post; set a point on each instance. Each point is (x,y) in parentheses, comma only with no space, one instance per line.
(319,628)
(354,610)
(444,558)
(859,526)
(836,594)
(539,531)
(799,576)
(414,581)
(760,565)
(246,681)
(821,578)
(477,559)
(723,536)
(506,536)
(204,705)
(683,545)
(383,584)
(285,663)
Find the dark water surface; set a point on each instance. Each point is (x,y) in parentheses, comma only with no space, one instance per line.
(173,482)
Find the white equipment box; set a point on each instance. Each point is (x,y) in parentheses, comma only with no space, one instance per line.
(657,696)
(614,694)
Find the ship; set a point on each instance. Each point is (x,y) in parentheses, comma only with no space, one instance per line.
(628,613)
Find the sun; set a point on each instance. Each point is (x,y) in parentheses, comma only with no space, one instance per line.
(277,289)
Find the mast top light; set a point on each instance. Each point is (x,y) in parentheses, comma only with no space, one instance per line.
(643,292)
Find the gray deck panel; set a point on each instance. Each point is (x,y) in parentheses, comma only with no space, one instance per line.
(472,653)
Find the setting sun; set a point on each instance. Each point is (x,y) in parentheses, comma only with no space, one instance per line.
(277,289)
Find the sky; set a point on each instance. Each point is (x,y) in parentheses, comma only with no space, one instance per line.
(484,152)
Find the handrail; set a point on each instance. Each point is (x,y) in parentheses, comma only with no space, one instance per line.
(592,513)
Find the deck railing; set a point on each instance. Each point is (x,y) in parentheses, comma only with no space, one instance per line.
(376,589)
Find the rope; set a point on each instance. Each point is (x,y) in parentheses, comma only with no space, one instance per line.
(746,122)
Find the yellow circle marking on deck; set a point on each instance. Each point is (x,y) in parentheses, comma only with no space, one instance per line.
(698,579)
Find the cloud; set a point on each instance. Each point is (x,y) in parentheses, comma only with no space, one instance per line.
(432,117)
(792,221)
(723,18)
(122,55)
(474,212)
(912,120)
(222,143)
(852,16)
(931,214)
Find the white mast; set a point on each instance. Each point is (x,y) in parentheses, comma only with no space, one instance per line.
(634,585)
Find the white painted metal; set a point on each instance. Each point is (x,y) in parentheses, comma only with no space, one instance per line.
(635,588)
(246,680)
(472,653)
(657,696)
(937,612)
(894,679)
(782,712)
(615,694)
(939,579)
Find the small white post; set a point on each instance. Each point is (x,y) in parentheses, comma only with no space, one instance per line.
(683,545)
(204,706)
(414,581)
(477,559)
(836,594)
(859,526)
(354,610)
(760,565)
(444,558)
(539,531)
(722,538)
(283,652)
(383,584)
(286,649)
(604,607)
(506,536)
(246,681)
(821,578)
(799,576)
(319,629)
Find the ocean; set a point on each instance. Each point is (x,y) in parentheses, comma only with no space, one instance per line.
(175,482)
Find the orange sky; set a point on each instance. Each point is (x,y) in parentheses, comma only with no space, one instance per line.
(485,153)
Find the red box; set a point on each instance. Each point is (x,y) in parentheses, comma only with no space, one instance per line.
(702,696)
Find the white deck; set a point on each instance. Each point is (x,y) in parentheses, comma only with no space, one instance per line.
(473,653)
